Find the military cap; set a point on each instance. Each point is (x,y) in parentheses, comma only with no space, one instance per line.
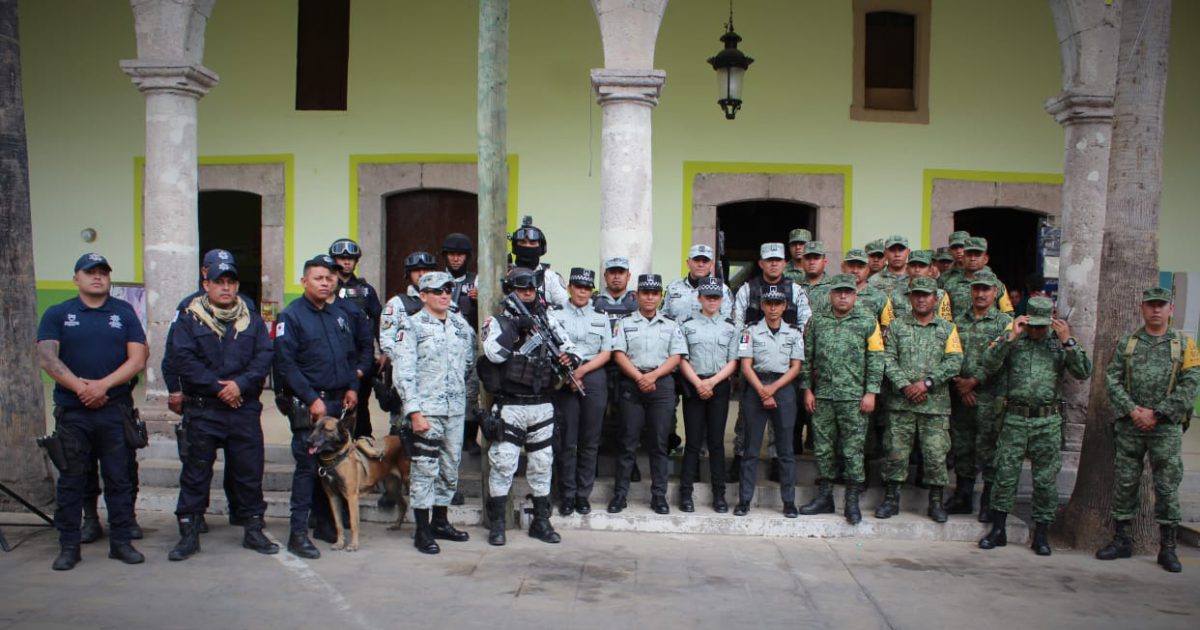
(894,240)
(959,238)
(434,280)
(814,248)
(91,261)
(975,244)
(985,277)
(943,254)
(921,257)
(700,250)
(216,269)
(710,286)
(922,284)
(1158,294)
(856,255)
(1039,310)
(616,262)
(650,282)
(214,256)
(582,277)
(773,294)
(843,281)
(874,247)
(771,250)
(799,235)
(321,260)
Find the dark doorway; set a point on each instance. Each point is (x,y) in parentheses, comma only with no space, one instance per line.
(1012,237)
(232,220)
(420,220)
(743,226)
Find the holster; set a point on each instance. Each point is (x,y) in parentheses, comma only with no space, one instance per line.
(298,418)
(491,425)
(284,403)
(181,438)
(386,394)
(136,435)
(55,450)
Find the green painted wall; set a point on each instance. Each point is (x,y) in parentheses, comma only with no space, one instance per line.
(412,90)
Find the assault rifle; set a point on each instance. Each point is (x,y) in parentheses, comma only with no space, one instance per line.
(542,334)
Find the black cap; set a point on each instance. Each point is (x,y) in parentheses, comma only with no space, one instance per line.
(92,260)
(214,256)
(773,294)
(650,282)
(710,286)
(582,277)
(321,260)
(215,270)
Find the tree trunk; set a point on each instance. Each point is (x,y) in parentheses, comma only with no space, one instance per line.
(22,404)
(1129,263)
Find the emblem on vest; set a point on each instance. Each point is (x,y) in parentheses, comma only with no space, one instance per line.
(71,321)
(115,321)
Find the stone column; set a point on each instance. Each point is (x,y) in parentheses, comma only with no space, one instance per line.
(1089,38)
(626,215)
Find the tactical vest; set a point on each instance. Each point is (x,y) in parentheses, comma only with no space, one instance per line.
(460,300)
(355,293)
(412,304)
(522,374)
(757,285)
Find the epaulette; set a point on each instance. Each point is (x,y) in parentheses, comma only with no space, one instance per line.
(556,307)
(729,320)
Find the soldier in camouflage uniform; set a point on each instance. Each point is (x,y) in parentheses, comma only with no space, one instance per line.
(855,263)
(840,376)
(1030,362)
(876,257)
(1152,384)
(973,412)
(797,243)
(923,354)
(435,373)
(975,259)
(957,241)
(919,266)
(896,252)
(815,281)
(943,261)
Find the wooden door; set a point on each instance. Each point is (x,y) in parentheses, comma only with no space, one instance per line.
(420,220)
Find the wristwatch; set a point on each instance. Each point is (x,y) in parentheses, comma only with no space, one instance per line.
(1070,342)
(928,383)
(1159,416)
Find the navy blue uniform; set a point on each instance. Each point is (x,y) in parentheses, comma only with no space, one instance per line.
(93,344)
(201,358)
(364,297)
(315,357)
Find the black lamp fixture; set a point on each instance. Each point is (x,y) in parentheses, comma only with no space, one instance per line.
(731,65)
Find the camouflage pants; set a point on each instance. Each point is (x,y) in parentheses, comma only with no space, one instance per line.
(435,458)
(504,456)
(973,437)
(1041,440)
(839,428)
(934,433)
(1166,464)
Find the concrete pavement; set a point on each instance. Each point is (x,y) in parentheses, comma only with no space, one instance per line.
(591,580)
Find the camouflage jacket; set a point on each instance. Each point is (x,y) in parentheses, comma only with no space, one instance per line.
(887,280)
(1032,369)
(818,292)
(434,367)
(902,306)
(976,333)
(843,357)
(1150,376)
(794,273)
(959,290)
(916,351)
(877,302)
(948,279)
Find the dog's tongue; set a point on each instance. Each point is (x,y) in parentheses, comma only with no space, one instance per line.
(312,449)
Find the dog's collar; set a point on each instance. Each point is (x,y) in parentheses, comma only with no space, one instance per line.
(328,464)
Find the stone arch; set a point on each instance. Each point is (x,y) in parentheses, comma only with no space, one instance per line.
(268,181)
(949,195)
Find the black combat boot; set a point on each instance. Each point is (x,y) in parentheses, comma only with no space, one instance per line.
(91,531)
(823,502)
(1121,545)
(567,506)
(617,504)
(891,501)
(1166,549)
(997,536)
(583,505)
(851,510)
(985,503)
(936,510)
(541,528)
(1041,539)
(68,557)
(442,529)
(423,539)
(189,539)
(720,505)
(495,514)
(962,501)
(135,530)
(299,544)
(255,539)
(686,504)
(126,553)
(201,524)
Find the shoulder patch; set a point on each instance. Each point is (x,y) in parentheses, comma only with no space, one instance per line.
(1191,354)
(280,329)
(953,344)
(875,341)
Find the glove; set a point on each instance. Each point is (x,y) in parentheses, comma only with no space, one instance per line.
(525,323)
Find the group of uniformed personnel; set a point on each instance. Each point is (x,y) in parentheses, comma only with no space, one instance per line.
(913,348)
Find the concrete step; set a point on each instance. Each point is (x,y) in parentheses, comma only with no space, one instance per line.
(1189,533)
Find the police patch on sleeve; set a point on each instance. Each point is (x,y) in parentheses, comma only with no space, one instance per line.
(745,342)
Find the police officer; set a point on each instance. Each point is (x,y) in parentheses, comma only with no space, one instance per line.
(581,414)
(876,257)
(528,247)
(896,252)
(681,301)
(456,251)
(1152,383)
(770,352)
(315,357)
(840,378)
(616,301)
(706,370)
(523,382)
(93,346)
(222,352)
(798,240)
(365,298)
(923,353)
(1030,362)
(435,373)
(746,311)
(647,349)
(973,430)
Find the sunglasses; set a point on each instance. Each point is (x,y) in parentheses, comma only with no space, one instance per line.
(439,291)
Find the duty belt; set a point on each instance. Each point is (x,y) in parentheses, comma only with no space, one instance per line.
(524,399)
(204,402)
(335,394)
(1033,411)
(771,376)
